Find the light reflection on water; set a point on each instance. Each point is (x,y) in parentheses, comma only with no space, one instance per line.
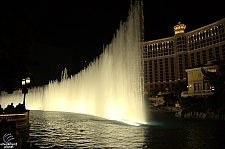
(71,130)
(77,130)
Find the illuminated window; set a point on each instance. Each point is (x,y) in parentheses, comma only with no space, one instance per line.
(197,86)
(211,70)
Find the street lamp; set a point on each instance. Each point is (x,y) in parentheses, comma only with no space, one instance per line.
(25,83)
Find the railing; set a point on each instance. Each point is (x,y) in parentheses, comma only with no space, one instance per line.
(19,118)
(196,93)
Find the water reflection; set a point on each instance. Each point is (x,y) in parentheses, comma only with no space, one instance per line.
(76,130)
(71,130)
(199,133)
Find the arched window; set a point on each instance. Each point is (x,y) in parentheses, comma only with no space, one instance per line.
(216,30)
(197,36)
(147,48)
(213,31)
(207,33)
(204,34)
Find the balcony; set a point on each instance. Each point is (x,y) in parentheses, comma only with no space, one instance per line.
(20,120)
(197,93)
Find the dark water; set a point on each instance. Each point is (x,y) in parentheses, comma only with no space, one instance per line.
(71,130)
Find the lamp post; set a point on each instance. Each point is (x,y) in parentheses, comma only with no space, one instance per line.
(25,83)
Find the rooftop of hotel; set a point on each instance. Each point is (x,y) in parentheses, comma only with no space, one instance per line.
(180,28)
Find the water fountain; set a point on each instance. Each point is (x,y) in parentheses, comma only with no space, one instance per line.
(110,87)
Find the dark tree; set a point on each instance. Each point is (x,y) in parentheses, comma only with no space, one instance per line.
(216,79)
(180,87)
(170,99)
(153,93)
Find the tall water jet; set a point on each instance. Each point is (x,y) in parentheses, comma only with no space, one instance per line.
(110,87)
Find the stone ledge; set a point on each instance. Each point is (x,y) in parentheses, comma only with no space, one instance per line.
(200,115)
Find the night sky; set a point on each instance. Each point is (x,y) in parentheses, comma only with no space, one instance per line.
(71,31)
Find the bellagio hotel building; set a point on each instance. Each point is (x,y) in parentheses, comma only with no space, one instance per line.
(165,60)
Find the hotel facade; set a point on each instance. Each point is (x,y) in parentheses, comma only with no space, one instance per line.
(165,60)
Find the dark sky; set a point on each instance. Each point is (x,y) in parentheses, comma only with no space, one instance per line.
(81,25)
(84,26)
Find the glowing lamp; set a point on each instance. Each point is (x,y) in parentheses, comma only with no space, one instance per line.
(23,81)
(27,80)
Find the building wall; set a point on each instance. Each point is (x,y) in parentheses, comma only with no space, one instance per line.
(165,60)
(196,78)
